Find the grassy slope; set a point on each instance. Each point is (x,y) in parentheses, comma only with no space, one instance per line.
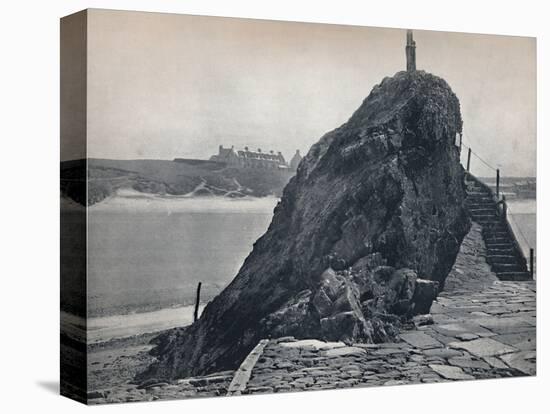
(168,177)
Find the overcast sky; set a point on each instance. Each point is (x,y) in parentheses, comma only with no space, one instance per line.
(165,85)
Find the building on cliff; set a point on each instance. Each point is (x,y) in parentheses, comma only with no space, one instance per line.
(253,159)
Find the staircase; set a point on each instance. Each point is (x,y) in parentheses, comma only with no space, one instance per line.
(504,254)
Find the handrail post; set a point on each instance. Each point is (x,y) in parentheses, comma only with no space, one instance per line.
(532,262)
(197,301)
(504,208)
(498,182)
(469,158)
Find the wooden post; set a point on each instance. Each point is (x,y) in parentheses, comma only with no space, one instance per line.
(498,181)
(532,262)
(197,301)
(469,158)
(504,208)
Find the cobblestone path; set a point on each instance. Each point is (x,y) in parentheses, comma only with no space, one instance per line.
(474,335)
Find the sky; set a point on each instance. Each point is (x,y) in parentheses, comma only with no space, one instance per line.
(162,86)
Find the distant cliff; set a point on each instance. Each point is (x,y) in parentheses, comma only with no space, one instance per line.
(363,237)
(185,177)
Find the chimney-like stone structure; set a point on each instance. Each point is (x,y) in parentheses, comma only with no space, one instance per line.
(410,50)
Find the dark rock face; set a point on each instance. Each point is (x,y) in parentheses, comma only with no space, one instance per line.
(364,236)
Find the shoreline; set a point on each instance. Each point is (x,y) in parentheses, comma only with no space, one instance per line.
(128,198)
(104,329)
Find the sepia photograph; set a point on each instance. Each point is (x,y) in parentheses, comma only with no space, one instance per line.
(261,207)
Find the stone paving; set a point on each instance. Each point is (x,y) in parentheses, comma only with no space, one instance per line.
(206,386)
(474,335)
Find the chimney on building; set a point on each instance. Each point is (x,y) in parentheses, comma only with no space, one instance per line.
(410,51)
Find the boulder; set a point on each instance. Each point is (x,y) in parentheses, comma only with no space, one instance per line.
(363,237)
(424,294)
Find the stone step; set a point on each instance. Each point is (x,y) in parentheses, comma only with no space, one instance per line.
(499,227)
(501,251)
(475,206)
(497,235)
(482,216)
(478,194)
(505,262)
(486,210)
(492,212)
(494,229)
(492,244)
(514,276)
(499,231)
(494,219)
(482,211)
(514,267)
(489,233)
(480,200)
(488,239)
(497,240)
(488,221)
(502,258)
(499,246)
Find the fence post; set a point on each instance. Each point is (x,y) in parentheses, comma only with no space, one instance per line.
(197,301)
(532,262)
(469,157)
(498,181)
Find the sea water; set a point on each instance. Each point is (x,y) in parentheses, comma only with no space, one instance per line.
(147,253)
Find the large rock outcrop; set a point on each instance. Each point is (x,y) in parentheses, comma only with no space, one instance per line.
(363,237)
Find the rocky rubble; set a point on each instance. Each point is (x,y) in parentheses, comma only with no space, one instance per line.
(362,239)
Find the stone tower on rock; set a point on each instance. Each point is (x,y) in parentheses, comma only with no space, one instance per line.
(410,51)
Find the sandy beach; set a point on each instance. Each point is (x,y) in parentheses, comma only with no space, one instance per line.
(107,328)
